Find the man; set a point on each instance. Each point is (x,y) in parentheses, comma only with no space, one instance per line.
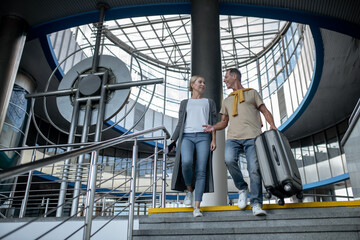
(242,110)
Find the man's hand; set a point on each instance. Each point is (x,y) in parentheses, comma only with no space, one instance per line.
(208,128)
(273,127)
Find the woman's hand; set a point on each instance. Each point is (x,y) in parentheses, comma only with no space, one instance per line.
(213,145)
(171,146)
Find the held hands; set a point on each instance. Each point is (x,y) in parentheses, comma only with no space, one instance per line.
(208,128)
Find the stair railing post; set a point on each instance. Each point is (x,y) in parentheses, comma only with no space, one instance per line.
(27,190)
(91,185)
(79,167)
(155,175)
(132,191)
(163,194)
(46,207)
(13,189)
(66,168)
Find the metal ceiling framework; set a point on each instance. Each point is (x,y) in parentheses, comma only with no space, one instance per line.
(165,40)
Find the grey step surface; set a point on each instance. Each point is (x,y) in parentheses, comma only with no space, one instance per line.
(304,223)
(308,232)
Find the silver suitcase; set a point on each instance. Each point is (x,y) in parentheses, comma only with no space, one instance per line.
(278,168)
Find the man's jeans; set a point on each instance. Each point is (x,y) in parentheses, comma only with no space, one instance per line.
(199,142)
(233,148)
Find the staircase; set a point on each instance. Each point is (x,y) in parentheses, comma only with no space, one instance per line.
(338,221)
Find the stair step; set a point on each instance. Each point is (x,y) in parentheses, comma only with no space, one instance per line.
(348,232)
(337,214)
(247,215)
(330,222)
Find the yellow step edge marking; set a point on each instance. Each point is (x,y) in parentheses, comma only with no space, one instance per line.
(265,206)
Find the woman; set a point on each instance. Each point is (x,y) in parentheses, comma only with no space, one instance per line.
(194,146)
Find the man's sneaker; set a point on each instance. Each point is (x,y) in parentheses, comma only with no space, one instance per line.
(188,198)
(243,194)
(197,212)
(257,211)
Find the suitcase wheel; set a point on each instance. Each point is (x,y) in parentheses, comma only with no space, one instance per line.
(281,201)
(300,195)
(267,195)
(288,187)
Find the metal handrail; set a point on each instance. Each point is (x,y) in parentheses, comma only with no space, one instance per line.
(11,172)
(70,144)
(8,173)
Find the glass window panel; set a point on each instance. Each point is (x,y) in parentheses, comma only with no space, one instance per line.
(288,37)
(302,78)
(288,101)
(276,51)
(292,62)
(271,73)
(311,173)
(262,64)
(272,87)
(294,97)
(265,93)
(291,47)
(264,80)
(324,170)
(307,151)
(296,36)
(300,67)
(280,78)
(336,166)
(278,65)
(307,63)
(332,143)
(320,147)
(298,85)
(275,109)
(268,104)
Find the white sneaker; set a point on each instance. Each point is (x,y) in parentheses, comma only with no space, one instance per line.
(243,194)
(188,199)
(197,212)
(257,211)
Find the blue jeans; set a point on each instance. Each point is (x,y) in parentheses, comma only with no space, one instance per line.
(233,148)
(199,142)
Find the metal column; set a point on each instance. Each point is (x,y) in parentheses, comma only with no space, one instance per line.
(206,61)
(205,46)
(12,40)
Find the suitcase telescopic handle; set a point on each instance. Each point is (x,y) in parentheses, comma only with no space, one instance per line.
(276,157)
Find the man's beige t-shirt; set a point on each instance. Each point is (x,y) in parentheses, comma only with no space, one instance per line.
(247,124)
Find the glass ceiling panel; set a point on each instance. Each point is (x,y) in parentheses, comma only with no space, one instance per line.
(166,43)
(167,38)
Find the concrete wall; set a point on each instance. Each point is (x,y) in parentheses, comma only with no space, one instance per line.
(351,143)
